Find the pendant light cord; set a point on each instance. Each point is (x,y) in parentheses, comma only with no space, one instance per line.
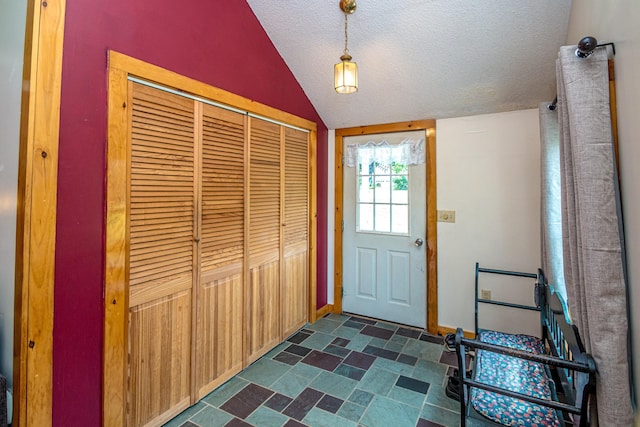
(346,34)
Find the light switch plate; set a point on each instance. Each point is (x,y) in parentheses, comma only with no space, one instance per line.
(446,216)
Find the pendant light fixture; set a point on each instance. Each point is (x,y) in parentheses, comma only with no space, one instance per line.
(346,71)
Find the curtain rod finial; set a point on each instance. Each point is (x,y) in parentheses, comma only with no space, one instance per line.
(586,46)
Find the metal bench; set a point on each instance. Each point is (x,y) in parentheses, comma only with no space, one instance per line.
(525,380)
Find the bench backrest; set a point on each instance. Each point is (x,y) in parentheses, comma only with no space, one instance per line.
(563,340)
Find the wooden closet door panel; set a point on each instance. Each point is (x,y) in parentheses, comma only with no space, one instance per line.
(296,231)
(161,256)
(262,315)
(159,359)
(220,298)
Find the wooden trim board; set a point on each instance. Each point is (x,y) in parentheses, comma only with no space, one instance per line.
(429,126)
(36,216)
(324,310)
(444,330)
(313,221)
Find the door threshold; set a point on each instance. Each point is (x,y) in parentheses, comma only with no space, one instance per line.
(374,319)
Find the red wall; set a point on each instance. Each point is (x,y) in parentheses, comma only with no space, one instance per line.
(219,42)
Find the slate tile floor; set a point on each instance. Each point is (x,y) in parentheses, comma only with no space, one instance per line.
(340,371)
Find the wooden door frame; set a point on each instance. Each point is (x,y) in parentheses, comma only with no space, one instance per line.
(429,127)
(36,214)
(116,298)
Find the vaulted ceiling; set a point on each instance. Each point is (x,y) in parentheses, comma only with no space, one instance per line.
(420,59)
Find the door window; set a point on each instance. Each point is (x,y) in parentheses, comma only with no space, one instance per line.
(382,204)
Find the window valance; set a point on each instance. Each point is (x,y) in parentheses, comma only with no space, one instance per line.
(407,152)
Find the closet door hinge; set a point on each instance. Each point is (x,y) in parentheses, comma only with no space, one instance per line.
(343,225)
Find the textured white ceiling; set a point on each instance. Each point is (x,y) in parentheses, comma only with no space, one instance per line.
(420,59)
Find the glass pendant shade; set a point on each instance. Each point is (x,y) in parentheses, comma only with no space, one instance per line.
(346,75)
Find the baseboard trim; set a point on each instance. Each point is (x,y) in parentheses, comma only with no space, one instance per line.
(324,310)
(444,330)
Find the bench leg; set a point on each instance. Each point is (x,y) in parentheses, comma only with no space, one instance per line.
(462,369)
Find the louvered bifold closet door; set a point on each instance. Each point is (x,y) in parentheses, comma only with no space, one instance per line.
(219,343)
(296,227)
(262,315)
(161,255)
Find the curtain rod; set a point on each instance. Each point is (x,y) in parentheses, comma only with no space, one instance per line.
(586,46)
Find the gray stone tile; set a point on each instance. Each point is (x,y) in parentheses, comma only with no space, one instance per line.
(437,397)
(440,415)
(345,332)
(211,417)
(377,342)
(351,411)
(350,372)
(394,346)
(355,325)
(407,397)
(325,325)
(319,418)
(378,381)
(399,339)
(423,350)
(265,417)
(393,366)
(334,384)
(361,397)
(384,412)
(358,342)
(220,395)
(429,371)
(306,371)
(265,372)
(290,385)
(318,341)
(369,401)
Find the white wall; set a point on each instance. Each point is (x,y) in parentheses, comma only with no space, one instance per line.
(489,173)
(618,22)
(12,27)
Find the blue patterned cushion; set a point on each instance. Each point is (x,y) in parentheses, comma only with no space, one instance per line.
(513,374)
(519,342)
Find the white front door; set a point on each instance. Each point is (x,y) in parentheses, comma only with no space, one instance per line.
(384,258)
